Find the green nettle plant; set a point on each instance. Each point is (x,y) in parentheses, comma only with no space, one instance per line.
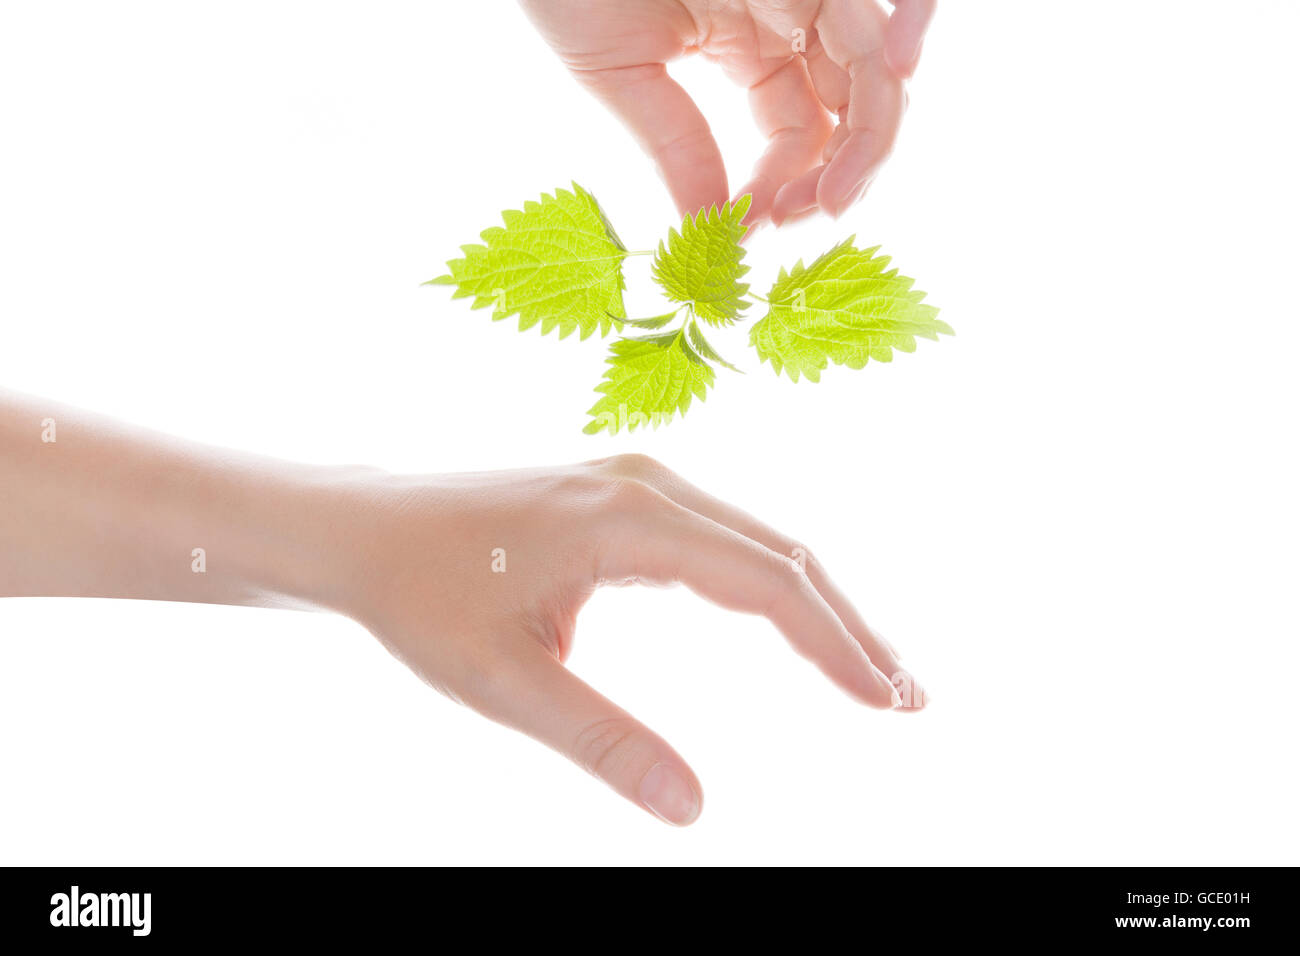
(559,263)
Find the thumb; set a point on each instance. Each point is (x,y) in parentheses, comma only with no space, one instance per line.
(540,697)
(670,128)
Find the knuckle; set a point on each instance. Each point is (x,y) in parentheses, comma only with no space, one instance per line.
(483,681)
(805,559)
(803,556)
(789,583)
(602,746)
(634,465)
(630,495)
(788,570)
(694,143)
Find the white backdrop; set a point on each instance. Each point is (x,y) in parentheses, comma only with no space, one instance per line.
(1077,519)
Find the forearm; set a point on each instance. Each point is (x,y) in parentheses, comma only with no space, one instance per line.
(93,508)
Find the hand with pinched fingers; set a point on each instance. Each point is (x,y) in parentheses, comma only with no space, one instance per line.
(825,81)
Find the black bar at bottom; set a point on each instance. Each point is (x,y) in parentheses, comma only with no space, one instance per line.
(894,907)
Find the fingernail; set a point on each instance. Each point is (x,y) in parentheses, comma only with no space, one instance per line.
(915,696)
(793,217)
(883,681)
(666,793)
(915,58)
(853,197)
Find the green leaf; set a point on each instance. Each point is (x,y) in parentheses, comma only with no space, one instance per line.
(557,262)
(648,381)
(702,347)
(700,266)
(654,322)
(846,308)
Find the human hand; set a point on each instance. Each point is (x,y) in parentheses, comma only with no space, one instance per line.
(475,582)
(801,60)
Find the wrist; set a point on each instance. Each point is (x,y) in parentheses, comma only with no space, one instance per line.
(302,539)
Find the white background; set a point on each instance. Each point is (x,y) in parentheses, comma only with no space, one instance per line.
(1077,519)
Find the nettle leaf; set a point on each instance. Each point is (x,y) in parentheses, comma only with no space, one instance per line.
(701,265)
(557,262)
(846,308)
(702,347)
(654,322)
(649,380)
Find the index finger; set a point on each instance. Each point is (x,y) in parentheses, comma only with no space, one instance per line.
(881,652)
(664,119)
(657,540)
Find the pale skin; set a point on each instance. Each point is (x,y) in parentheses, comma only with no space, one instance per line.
(94,508)
(825,80)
